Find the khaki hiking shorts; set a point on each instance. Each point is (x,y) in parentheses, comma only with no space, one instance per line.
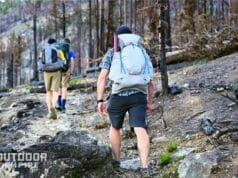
(52,81)
(65,79)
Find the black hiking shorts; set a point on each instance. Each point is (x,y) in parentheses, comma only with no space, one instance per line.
(135,104)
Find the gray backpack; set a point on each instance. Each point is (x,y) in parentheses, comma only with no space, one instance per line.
(50,60)
(131,66)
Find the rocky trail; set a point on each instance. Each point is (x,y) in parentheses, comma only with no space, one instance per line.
(77,142)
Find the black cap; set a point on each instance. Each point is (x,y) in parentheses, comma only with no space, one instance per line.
(123,29)
(51,40)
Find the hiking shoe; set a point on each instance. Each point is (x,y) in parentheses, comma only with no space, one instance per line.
(53,113)
(58,107)
(145,172)
(63,110)
(115,164)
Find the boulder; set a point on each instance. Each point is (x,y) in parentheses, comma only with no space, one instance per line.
(68,153)
(198,165)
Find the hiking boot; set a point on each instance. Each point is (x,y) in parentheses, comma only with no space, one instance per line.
(145,172)
(53,113)
(63,110)
(58,107)
(115,164)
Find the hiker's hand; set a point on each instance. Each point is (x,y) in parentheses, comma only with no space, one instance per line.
(102,108)
(148,109)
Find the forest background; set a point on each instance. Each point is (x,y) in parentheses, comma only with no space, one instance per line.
(181,29)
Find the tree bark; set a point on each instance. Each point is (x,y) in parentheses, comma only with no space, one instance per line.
(90,32)
(10,72)
(163,67)
(142,16)
(211,15)
(125,11)
(79,32)
(64,19)
(131,13)
(110,25)
(120,12)
(97,28)
(35,71)
(102,27)
(168,31)
(135,14)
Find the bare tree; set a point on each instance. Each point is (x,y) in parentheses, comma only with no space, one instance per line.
(111,24)
(63,19)
(125,11)
(90,31)
(135,14)
(163,67)
(102,27)
(131,13)
(97,28)
(120,12)
(78,12)
(35,71)
(168,30)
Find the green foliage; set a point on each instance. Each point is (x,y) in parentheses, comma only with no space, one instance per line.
(170,171)
(7,4)
(4,89)
(74,174)
(74,81)
(172,146)
(175,168)
(165,158)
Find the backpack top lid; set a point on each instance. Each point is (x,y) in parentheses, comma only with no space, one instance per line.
(64,47)
(127,39)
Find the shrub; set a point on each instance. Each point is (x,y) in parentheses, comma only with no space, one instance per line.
(172,146)
(165,158)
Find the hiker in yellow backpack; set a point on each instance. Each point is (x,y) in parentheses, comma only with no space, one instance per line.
(66,75)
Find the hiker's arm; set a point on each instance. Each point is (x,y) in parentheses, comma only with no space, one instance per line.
(72,65)
(150,97)
(101,83)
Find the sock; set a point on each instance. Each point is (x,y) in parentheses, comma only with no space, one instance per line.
(59,101)
(63,103)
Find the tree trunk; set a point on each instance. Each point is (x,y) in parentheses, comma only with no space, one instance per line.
(79,32)
(211,15)
(10,72)
(120,12)
(131,13)
(55,16)
(35,71)
(110,26)
(163,67)
(168,31)
(97,28)
(142,16)
(125,12)
(102,27)
(90,32)
(135,14)
(64,19)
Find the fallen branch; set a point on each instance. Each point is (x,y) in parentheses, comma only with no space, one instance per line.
(195,115)
(71,87)
(219,133)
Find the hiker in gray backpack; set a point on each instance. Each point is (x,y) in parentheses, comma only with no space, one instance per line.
(131,72)
(51,63)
